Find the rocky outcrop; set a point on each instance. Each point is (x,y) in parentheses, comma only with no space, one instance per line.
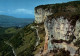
(40,15)
(62,27)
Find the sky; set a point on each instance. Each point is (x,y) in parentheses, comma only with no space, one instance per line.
(24,8)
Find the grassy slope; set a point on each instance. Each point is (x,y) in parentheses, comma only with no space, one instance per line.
(5,35)
(24,41)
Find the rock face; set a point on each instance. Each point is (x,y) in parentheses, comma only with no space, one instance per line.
(61,34)
(40,15)
(62,31)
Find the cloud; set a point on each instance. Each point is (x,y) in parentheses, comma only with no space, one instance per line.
(18,12)
(23,11)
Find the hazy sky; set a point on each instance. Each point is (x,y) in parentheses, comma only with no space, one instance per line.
(23,8)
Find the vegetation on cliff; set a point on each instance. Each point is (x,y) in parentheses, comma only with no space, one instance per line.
(63,9)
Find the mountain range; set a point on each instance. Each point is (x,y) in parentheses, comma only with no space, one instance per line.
(9,21)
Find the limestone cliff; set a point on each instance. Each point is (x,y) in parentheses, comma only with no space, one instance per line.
(62,27)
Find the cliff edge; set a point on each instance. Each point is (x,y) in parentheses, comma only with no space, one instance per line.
(62,27)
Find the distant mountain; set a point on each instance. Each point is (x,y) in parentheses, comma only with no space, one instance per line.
(9,21)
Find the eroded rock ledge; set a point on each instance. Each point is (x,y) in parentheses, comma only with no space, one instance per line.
(62,27)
